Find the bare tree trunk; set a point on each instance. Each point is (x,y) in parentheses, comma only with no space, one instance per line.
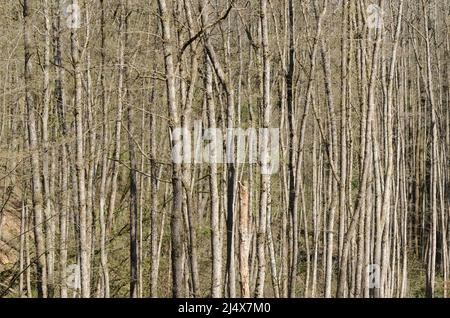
(244,246)
(216,243)
(154,205)
(177,219)
(265,160)
(49,224)
(431,258)
(80,167)
(34,150)
(292,201)
(104,160)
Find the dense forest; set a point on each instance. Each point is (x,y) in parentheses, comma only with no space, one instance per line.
(225,148)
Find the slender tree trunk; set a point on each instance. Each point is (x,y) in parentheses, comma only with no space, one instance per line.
(176,218)
(80,166)
(34,150)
